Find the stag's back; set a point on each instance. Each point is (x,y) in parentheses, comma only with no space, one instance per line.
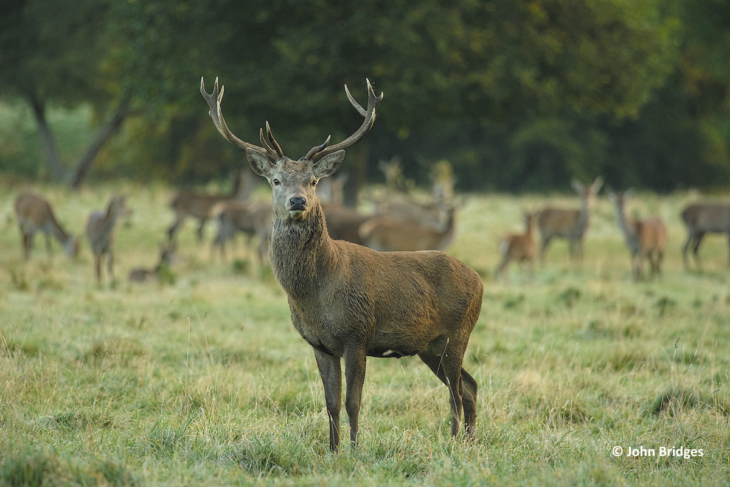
(704,217)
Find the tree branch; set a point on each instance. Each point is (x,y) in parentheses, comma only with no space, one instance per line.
(82,168)
(47,141)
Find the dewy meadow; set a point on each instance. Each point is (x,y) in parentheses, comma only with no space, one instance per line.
(201,378)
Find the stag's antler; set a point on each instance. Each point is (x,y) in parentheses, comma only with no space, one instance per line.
(369,114)
(272,151)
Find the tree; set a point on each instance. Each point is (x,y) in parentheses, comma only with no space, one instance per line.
(54,52)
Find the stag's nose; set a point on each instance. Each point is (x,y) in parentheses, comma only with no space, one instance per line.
(297,203)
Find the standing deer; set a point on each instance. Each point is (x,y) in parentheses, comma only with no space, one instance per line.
(518,247)
(200,205)
(251,219)
(349,302)
(141,274)
(386,233)
(35,214)
(702,218)
(645,237)
(568,224)
(100,232)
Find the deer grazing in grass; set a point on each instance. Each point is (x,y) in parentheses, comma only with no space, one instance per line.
(35,214)
(702,218)
(519,247)
(645,237)
(141,274)
(100,232)
(387,233)
(349,302)
(200,206)
(569,224)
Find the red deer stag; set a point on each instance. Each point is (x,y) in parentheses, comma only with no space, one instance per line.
(351,302)
(518,247)
(645,237)
(568,224)
(702,218)
(100,232)
(35,214)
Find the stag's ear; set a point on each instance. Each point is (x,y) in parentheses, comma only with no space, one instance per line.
(259,162)
(328,165)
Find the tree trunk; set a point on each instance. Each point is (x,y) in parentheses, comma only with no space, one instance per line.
(358,173)
(82,168)
(47,141)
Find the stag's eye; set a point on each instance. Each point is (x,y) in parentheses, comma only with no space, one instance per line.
(276,182)
(314,182)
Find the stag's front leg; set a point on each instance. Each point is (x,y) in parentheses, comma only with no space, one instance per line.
(329,369)
(355,360)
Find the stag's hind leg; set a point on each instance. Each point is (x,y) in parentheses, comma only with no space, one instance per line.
(469,398)
(447,367)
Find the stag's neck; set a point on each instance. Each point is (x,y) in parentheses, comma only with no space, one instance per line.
(302,253)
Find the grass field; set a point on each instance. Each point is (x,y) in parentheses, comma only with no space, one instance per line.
(204,381)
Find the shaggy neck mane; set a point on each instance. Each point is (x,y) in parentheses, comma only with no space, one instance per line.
(299,251)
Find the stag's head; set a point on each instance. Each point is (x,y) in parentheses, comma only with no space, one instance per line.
(293,182)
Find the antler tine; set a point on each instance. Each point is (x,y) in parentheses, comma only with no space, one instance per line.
(213,100)
(356,104)
(369,114)
(315,149)
(273,141)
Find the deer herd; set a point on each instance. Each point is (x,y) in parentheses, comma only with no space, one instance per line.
(367,284)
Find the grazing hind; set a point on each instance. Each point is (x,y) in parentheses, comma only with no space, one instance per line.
(349,302)
(35,214)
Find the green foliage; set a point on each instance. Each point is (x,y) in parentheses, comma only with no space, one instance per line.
(518,95)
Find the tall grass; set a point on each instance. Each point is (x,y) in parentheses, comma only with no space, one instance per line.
(205,381)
